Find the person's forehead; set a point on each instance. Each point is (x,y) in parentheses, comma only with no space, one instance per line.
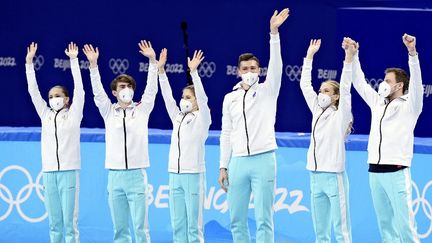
(55,90)
(248,63)
(187,92)
(326,86)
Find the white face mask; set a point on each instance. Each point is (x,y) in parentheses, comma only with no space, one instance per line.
(125,95)
(324,100)
(56,103)
(384,89)
(250,78)
(185,106)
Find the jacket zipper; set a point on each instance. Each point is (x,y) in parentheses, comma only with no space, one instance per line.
(313,135)
(245,121)
(178,142)
(56,138)
(379,147)
(125,138)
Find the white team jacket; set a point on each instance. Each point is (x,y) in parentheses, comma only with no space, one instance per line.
(248,117)
(190,130)
(60,138)
(391,138)
(329,126)
(126,131)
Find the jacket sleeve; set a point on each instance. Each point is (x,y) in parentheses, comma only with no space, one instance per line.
(77,106)
(368,94)
(151,89)
(345,94)
(225,138)
(306,85)
(101,99)
(274,73)
(33,89)
(170,103)
(201,99)
(415,89)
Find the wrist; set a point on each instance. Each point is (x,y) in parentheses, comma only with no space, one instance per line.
(223,169)
(273,31)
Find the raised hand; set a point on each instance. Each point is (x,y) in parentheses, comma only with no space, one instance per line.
(92,54)
(162,60)
(72,50)
(31,52)
(410,43)
(147,50)
(196,60)
(314,46)
(278,19)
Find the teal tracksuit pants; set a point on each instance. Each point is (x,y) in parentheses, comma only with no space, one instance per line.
(186,200)
(127,195)
(61,202)
(252,174)
(392,199)
(330,206)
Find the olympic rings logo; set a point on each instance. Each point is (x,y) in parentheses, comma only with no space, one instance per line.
(374,83)
(38,62)
(22,196)
(293,72)
(118,66)
(421,200)
(207,69)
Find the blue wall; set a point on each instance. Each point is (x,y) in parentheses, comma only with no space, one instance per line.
(223,29)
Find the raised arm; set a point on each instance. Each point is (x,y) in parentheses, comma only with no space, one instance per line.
(415,89)
(148,98)
(368,94)
(100,97)
(170,103)
(33,89)
(346,80)
(76,108)
(274,73)
(306,75)
(199,89)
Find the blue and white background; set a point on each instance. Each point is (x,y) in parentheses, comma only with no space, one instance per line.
(223,30)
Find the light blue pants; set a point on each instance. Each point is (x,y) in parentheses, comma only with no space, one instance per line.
(127,195)
(392,199)
(186,200)
(330,205)
(252,174)
(62,204)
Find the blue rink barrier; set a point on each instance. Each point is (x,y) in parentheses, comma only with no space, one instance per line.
(23,217)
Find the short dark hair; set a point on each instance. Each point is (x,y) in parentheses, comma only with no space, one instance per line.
(247,57)
(63,88)
(123,78)
(401,76)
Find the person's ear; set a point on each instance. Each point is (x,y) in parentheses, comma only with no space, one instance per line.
(114,93)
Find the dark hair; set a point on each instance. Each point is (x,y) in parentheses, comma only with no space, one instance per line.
(401,76)
(63,88)
(191,88)
(247,57)
(123,78)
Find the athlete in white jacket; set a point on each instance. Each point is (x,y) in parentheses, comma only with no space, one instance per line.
(395,109)
(126,137)
(247,141)
(60,144)
(331,121)
(186,166)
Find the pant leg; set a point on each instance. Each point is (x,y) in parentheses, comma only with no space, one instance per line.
(194,194)
(239,192)
(263,183)
(136,192)
(119,206)
(69,186)
(53,207)
(340,208)
(320,207)
(177,208)
(401,199)
(383,208)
